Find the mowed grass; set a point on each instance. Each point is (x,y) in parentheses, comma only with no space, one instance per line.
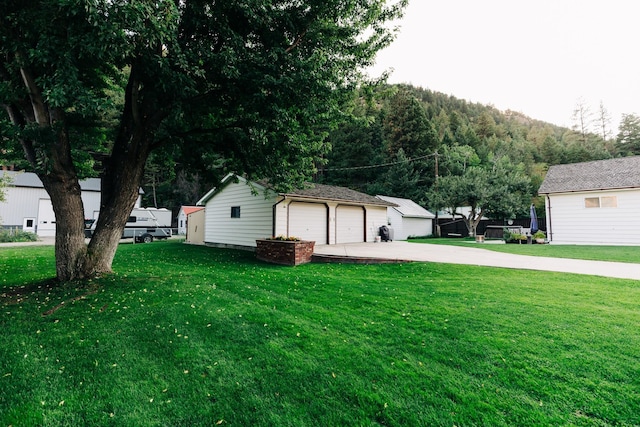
(630,254)
(195,336)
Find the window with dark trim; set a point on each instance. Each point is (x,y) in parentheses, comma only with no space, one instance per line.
(235,211)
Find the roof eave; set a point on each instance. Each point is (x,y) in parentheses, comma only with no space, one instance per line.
(586,190)
(330,199)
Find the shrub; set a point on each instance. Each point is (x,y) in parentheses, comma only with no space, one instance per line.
(510,237)
(539,235)
(14,235)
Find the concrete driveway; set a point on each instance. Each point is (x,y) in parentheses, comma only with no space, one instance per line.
(477,256)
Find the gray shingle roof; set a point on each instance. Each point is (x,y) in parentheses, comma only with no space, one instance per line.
(597,175)
(339,194)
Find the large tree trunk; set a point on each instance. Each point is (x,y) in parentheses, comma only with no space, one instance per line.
(67,204)
(119,194)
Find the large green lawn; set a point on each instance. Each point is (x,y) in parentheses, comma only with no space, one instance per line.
(589,252)
(195,336)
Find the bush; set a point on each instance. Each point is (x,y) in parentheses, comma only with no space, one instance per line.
(8,235)
(539,235)
(510,237)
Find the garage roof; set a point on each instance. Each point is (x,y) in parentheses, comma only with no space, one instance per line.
(408,208)
(338,194)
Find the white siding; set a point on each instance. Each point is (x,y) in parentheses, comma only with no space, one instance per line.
(416,227)
(182,223)
(406,226)
(376,218)
(255,216)
(20,203)
(396,223)
(571,222)
(349,224)
(308,221)
(281,211)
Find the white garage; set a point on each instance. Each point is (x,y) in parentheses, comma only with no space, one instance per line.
(239,212)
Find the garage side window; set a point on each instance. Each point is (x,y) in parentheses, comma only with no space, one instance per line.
(235,211)
(592,202)
(609,202)
(601,202)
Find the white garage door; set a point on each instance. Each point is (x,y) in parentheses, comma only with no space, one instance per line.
(308,221)
(46,218)
(349,224)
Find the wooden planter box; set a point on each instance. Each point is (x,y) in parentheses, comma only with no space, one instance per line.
(284,252)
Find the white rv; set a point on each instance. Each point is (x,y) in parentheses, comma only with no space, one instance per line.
(145,224)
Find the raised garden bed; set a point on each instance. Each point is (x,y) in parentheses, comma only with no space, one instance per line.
(284,252)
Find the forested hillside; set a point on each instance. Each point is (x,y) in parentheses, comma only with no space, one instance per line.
(400,137)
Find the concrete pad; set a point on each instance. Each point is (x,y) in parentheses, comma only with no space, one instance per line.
(425,252)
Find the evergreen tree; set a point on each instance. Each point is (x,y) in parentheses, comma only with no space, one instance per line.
(629,135)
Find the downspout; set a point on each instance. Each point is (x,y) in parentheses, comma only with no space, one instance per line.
(364,238)
(273,220)
(550,230)
(328,222)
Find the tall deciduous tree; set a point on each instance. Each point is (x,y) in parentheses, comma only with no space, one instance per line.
(582,119)
(499,190)
(260,81)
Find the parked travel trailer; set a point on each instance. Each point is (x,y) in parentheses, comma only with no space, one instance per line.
(145,224)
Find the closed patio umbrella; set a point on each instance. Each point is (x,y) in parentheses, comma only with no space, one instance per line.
(534,219)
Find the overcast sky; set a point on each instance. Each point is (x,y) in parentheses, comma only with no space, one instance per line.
(538,57)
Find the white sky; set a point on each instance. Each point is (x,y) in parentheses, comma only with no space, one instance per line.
(538,57)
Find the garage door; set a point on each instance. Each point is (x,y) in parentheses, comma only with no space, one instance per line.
(46,218)
(349,224)
(308,221)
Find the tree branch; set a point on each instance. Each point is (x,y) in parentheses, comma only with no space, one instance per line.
(296,42)
(37,101)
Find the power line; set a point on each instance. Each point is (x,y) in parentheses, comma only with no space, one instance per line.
(379,165)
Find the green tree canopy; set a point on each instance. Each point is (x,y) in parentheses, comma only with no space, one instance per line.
(258,82)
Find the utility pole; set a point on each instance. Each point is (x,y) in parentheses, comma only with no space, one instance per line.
(436,155)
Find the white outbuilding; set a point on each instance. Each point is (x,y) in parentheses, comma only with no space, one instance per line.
(28,207)
(183,216)
(407,218)
(27,204)
(239,212)
(595,202)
